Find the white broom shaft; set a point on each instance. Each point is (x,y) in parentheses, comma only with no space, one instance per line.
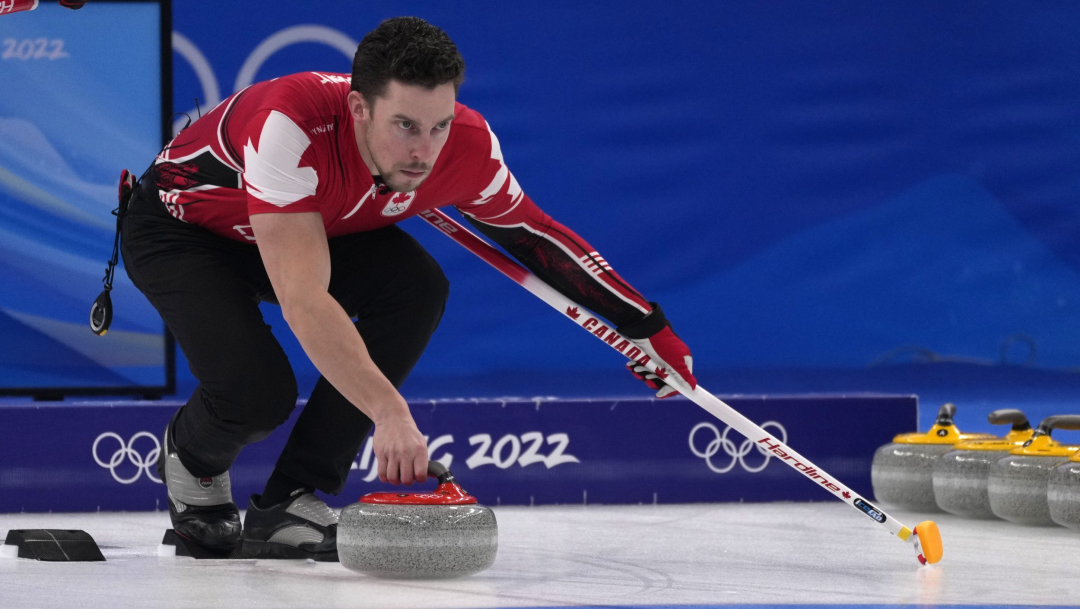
(699,395)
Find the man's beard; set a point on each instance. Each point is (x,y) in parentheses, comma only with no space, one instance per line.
(402,185)
(391,179)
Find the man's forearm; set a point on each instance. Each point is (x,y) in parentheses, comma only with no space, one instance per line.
(544,248)
(335,347)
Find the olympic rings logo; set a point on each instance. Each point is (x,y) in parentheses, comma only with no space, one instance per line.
(127,452)
(319,34)
(738,455)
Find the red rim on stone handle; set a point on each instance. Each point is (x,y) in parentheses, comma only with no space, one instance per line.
(449,492)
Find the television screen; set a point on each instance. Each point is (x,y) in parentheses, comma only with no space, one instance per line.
(83,95)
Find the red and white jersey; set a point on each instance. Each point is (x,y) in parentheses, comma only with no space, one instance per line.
(287,145)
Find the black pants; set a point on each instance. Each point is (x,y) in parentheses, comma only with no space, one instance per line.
(207,289)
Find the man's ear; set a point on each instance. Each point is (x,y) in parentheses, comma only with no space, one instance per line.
(358,107)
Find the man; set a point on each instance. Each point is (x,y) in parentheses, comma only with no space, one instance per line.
(288,192)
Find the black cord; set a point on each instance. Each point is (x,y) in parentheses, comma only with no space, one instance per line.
(110,270)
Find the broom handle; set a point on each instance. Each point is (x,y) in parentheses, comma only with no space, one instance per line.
(579,315)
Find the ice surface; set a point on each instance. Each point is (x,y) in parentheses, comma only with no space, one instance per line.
(770,554)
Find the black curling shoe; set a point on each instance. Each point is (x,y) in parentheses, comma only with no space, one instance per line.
(302,526)
(201,509)
(216,527)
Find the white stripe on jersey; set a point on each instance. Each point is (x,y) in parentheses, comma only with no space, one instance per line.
(501,176)
(370,193)
(231,162)
(595,263)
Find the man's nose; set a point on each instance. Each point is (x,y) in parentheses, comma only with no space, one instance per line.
(421,150)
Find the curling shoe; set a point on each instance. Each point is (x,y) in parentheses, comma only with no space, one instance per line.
(202,509)
(301,526)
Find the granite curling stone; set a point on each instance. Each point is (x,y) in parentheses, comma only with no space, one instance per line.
(1018,484)
(960,476)
(434,535)
(902,471)
(1063,493)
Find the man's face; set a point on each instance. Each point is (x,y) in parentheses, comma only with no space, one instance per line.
(401,134)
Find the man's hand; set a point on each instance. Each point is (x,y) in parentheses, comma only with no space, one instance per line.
(401,452)
(670,354)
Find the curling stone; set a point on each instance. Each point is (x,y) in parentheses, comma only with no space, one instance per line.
(902,472)
(1063,493)
(1018,483)
(432,535)
(960,476)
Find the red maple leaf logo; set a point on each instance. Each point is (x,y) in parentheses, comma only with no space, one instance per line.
(846,495)
(573,312)
(400,197)
(660,372)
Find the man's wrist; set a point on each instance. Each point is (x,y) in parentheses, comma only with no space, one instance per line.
(648,326)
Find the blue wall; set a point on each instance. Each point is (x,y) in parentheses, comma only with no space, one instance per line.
(801,184)
(804,186)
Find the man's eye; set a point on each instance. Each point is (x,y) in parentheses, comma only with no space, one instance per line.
(442,126)
(406,125)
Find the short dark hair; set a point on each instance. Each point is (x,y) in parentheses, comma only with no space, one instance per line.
(409,50)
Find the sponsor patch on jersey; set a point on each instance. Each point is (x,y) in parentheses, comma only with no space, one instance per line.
(398,203)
